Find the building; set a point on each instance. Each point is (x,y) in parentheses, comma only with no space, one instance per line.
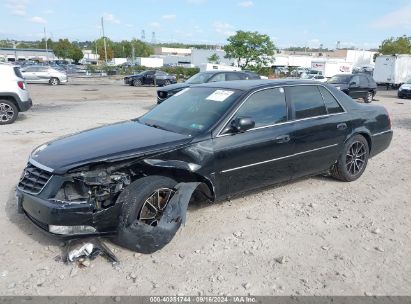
(172,51)
(16,54)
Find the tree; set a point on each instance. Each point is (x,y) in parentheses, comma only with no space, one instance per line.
(399,45)
(250,49)
(214,59)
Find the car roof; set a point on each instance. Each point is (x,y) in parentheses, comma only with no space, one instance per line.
(223,71)
(246,85)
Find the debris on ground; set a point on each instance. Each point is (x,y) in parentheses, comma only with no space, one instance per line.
(84,250)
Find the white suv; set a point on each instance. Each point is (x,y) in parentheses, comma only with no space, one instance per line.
(14,97)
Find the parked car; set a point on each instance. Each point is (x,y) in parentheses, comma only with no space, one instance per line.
(316,77)
(151,77)
(44,74)
(14,97)
(355,85)
(204,77)
(212,140)
(404,90)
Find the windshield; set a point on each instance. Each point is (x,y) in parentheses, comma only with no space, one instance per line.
(199,78)
(192,110)
(339,79)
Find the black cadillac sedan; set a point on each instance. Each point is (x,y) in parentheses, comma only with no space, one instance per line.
(151,77)
(133,180)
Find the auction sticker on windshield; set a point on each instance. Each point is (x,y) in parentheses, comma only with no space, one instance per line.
(220,95)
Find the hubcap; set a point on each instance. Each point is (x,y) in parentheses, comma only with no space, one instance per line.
(369,96)
(6,112)
(355,158)
(155,205)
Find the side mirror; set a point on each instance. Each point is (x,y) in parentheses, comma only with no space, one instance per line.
(353,84)
(242,124)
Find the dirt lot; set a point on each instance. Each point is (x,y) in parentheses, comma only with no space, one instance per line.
(315,236)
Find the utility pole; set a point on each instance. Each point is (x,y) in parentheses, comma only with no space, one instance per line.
(104,39)
(133,54)
(15,51)
(45,40)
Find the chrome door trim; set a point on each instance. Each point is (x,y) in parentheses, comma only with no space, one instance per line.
(279,158)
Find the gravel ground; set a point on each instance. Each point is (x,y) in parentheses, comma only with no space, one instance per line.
(314,236)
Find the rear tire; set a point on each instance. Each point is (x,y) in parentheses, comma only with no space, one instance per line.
(369,97)
(8,112)
(54,81)
(353,160)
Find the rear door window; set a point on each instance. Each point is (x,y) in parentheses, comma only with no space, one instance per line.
(234,76)
(266,107)
(363,81)
(330,102)
(306,101)
(218,77)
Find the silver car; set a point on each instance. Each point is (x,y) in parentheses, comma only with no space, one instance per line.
(44,74)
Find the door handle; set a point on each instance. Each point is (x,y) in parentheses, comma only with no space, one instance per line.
(282,139)
(342,126)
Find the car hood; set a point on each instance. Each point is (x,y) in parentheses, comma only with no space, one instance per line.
(175,87)
(123,140)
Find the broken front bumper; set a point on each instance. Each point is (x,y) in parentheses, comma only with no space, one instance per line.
(68,220)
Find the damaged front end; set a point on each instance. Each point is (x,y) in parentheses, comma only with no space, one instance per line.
(88,201)
(80,202)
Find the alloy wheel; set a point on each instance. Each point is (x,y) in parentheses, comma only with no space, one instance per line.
(154,206)
(6,112)
(54,82)
(356,157)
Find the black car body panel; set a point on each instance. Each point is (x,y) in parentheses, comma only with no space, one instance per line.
(94,166)
(212,76)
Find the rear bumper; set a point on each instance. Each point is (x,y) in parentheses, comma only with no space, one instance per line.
(25,105)
(43,213)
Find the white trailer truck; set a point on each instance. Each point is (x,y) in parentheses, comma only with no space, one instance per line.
(392,70)
(330,68)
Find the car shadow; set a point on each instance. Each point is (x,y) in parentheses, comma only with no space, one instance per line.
(24,224)
(197,205)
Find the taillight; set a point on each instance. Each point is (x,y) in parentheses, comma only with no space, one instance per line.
(21,84)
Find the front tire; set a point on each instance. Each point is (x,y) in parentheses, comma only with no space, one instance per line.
(144,202)
(54,81)
(353,160)
(8,112)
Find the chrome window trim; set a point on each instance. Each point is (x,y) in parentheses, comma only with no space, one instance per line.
(286,122)
(279,158)
(43,167)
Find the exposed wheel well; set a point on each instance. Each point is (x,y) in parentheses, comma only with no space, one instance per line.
(205,188)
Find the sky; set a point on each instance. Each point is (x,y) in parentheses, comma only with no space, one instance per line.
(358,23)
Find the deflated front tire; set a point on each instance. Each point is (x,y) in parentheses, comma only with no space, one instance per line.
(144,231)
